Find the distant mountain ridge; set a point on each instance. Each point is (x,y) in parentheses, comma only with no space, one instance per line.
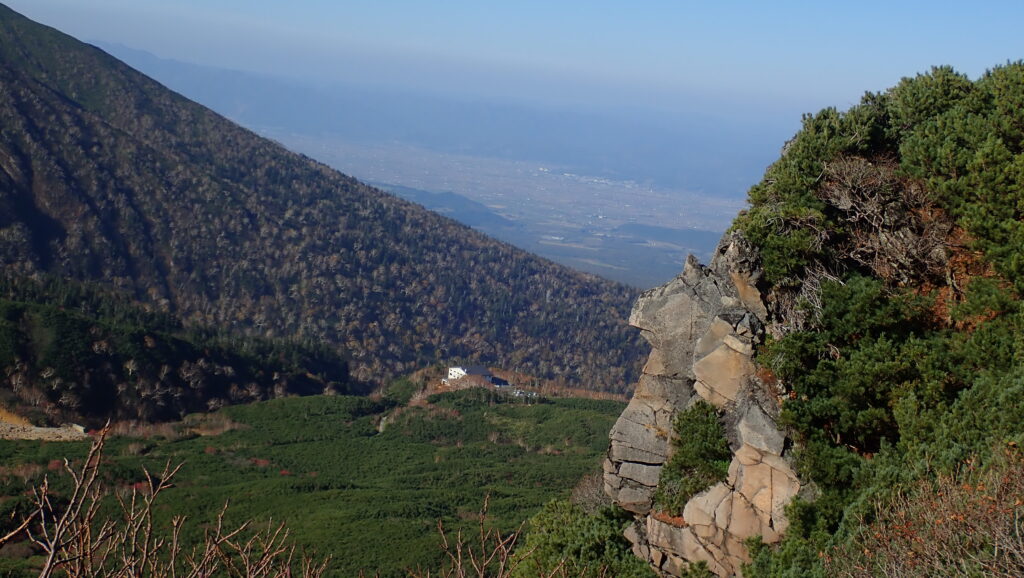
(107,176)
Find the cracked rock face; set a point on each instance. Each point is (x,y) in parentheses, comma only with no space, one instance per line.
(703,327)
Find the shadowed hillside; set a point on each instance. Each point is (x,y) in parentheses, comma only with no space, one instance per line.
(107,176)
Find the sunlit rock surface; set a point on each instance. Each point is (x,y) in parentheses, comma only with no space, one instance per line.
(703,327)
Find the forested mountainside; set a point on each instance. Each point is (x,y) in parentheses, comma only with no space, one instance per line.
(107,176)
(892,239)
(71,352)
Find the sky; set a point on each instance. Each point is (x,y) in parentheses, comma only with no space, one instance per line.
(728,57)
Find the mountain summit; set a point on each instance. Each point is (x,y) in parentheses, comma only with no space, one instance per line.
(107,176)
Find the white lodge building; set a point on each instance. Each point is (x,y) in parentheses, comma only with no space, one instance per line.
(463,371)
(474,375)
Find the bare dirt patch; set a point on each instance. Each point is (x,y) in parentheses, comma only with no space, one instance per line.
(10,431)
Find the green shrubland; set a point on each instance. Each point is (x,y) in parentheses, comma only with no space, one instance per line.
(366,490)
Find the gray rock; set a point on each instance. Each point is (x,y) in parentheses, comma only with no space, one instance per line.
(738,261)
(703,327)
(674,316)
(760,431)
(635,498)
(641,473)
(635,437)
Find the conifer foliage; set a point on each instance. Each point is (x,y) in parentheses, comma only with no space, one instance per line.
(892,240)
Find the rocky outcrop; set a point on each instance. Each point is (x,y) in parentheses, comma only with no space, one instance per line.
(703,327)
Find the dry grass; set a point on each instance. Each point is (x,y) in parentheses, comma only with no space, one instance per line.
(168,431)
(211,424)
(24,472)
(589,493)
(971,525)
(7,416)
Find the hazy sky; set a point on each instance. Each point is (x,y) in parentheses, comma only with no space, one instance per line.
(676,55)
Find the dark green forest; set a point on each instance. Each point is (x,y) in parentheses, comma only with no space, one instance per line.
(892,238)
(73,352)
(106,176)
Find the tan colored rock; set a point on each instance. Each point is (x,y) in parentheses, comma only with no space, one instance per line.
(672,565)
(785,487)
(703,327)
(723,513)
(748,455)
(757,488)
(745,521)
(694,550)
(777,462)
(695,297)
(721,374)
(665,537)
(700,510)
(769,534)
(739,344)
(748,294)
(736,551)
(640,548)
(715,336)
(734,471)
(709,534)
(655,362)
(716,551)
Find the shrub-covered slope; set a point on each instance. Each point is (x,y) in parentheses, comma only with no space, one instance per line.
(107,176)
(892,240)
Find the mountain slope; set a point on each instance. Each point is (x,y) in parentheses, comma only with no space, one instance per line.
(72,353)
(106,175)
